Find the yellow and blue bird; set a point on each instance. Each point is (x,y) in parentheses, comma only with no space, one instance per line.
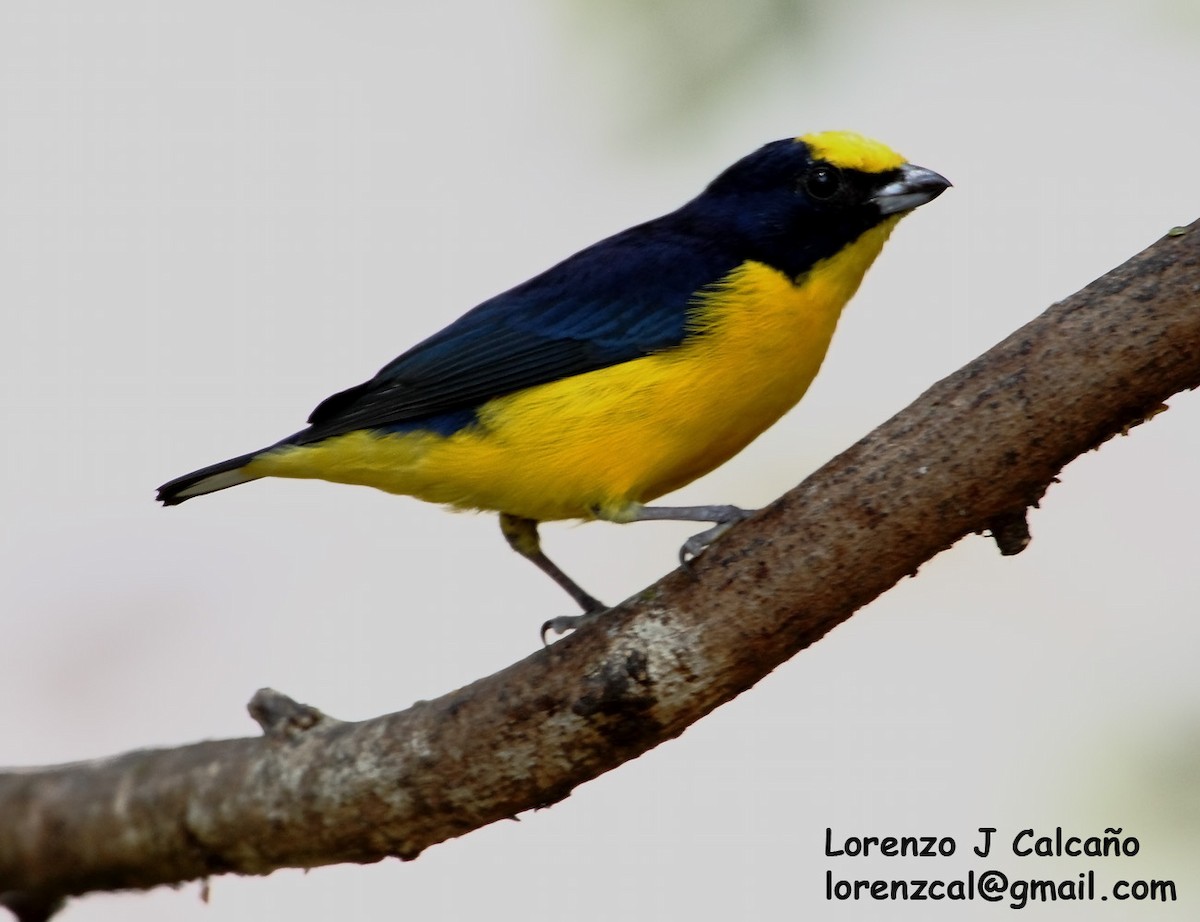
(627,370)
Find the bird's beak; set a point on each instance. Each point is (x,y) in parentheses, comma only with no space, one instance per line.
(915,187)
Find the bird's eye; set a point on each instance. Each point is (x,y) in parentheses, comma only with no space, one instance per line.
(823,183)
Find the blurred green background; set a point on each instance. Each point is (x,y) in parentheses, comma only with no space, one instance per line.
(212,215)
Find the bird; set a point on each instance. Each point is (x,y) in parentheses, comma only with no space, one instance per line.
(625,371)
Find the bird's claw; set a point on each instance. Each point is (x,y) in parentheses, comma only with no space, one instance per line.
(560,626)
(694,546)
(565,623)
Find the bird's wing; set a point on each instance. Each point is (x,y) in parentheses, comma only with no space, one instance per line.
(623,298)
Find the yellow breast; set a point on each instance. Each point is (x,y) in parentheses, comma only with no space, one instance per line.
(606,441)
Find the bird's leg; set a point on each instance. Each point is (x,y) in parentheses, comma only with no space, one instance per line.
(522,537)
(723,517)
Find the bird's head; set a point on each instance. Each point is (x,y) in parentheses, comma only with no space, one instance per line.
(800,200)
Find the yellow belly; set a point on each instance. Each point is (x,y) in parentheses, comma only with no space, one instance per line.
(601,443)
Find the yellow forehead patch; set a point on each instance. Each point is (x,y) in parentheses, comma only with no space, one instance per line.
(852,151)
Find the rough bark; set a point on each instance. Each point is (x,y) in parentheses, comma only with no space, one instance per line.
(969,455)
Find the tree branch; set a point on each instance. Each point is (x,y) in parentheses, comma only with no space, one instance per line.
(971,454)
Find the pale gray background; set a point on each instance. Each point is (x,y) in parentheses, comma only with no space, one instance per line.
(212,215)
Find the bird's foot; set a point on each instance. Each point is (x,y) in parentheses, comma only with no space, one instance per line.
(564,624)
(694,546)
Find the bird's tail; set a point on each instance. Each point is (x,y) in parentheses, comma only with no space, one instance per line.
(207,480)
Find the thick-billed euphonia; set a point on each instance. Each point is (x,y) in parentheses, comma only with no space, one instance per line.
(625,371)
